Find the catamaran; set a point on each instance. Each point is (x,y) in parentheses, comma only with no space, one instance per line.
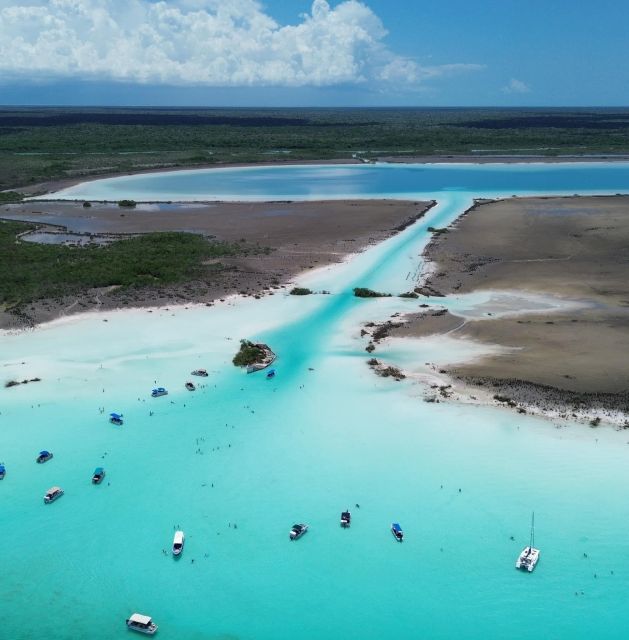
(530,555)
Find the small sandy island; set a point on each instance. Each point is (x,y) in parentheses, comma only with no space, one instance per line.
(294,236)
(568,361)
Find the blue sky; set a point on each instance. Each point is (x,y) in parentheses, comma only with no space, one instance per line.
(314,52)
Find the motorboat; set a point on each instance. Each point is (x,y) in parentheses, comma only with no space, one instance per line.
(267,360)
(178,542)
(99,474)
(190,386)
(3,471)
(297,531)
(346,519)
(397,532)
(142,624)
(270,374)
(43,456)
(530,555)
(116,418)
(199,372)
(52,494)
(158,391)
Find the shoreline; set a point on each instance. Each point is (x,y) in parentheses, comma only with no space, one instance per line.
(52,186)
(564,362)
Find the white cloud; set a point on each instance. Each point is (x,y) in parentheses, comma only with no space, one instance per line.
(516,86)
(201,42)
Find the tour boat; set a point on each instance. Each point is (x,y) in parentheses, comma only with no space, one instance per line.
(141,623)
(271,374)
(44,456)
(178,541)
(397,532)
(52,494)
(190,386)
(115,418)
(200,372)
(3,471)
(346,518)
(530,555)
(99,474)
(297,531)
(159,391)
(268,360)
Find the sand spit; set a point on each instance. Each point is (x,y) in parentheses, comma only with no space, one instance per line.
(301,236)
(565,362)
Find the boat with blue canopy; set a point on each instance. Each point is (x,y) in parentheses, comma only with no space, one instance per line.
(43,456)
(397,532)
(271,374)
(116,418)
(3,471)
(99,474)
(158,391)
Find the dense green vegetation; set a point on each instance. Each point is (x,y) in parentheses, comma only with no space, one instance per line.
(363,292)
(248,354)
(43,144)
(7,197)
(30,271)
(300,291)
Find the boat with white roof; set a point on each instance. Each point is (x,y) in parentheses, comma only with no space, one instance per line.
(297,531)
(178,542)
(530,555)
(141,623)
(53,494)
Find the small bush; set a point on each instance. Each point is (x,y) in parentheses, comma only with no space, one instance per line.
(409,294)
(127,203)
(300,291)
(363,292)
(87,205)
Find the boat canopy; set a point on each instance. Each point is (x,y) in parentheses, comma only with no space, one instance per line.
(396,527)
(53,490)
(159,389)
(98,471)
(2,468)
(178,537)
(138,618)
(116,416)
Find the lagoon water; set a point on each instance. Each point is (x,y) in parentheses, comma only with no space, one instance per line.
(240,460)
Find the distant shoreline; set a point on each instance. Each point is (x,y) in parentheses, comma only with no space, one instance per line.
(53,186)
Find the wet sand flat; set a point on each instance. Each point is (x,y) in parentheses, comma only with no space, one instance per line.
(574,248)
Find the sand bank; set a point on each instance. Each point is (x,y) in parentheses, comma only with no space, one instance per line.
(575,248)
(300,235)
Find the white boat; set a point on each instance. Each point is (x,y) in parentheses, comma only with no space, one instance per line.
(178,542)
(530,555)
(52,494)
(141,623)
(297,531)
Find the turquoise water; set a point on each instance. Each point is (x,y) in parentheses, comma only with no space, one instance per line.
(324,435)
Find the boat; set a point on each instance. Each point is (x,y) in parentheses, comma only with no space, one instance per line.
(268,360)
(43,456)
(158,391)
(141,623)
(178,542)
(190,386)
(99,474)
(346,518)
(199,372)
(115,418)
(397,532)
(530,555)
(3,471)
(52,494)
(270,374)
(297,531)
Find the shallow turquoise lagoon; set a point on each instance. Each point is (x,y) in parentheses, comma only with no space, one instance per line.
(241,459)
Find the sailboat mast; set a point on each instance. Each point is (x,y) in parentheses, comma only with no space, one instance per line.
(532,530)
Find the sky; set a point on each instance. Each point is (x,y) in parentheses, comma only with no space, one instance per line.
(314,52)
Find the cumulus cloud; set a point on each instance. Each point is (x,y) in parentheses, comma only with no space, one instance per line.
(516,86)
(201,42)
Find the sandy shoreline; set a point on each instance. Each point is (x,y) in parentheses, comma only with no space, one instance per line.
(53,186)
(568,362)
(297,237)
